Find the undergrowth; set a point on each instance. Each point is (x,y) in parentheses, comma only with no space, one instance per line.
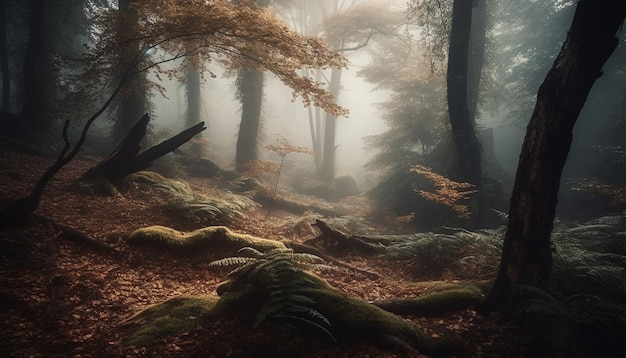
(277,280)
(578,326)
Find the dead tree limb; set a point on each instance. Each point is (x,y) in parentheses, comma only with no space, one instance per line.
(127,159)
(341,242)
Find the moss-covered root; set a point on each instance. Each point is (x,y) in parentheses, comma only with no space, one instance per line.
(353,319)
(167,319)
(436,303)
(213,236)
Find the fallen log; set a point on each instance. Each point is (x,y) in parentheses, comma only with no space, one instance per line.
(341,242)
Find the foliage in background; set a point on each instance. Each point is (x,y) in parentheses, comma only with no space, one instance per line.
(416,116)
(579,326)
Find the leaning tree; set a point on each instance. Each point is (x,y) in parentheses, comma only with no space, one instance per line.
(526,257)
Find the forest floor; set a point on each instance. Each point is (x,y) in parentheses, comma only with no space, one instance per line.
(62,298)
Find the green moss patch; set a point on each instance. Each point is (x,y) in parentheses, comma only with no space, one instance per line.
(167,319)
(213,236)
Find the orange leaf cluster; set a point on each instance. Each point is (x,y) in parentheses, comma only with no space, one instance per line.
(255,168)
(236,35)
(448,192)
(284,148)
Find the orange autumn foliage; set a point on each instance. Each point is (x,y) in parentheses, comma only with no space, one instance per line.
(448,192)
(235,35)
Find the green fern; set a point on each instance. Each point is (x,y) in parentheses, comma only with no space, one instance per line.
(278,281)
(201,208)
(581,325)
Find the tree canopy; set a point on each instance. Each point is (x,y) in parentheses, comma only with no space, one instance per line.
(242,35)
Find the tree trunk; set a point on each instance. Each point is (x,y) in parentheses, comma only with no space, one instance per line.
(526,257)
(467,145)
(4,59)
(250,86)
(126,159)
(330,127)
(133,102)
(194,105)
(476,56)
(32,69)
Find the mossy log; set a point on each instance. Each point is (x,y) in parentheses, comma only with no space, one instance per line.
(167,319)
(435,303)
(349,319)
(213,236)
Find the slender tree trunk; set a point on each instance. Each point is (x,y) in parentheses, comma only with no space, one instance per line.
(476,57)
(4,59)
(526,257)
(32,70)
(250,86)
(194,105)
(330,127)
(467,145)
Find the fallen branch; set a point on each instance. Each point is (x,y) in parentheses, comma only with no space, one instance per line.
(342,242)
(126,159)
(307,249)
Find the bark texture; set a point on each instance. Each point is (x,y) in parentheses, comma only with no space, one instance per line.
(251,94)
(526,257)
(467,145)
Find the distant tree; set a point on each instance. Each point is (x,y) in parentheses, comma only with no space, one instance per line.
(4,59)
(241,36)
(250,92)
(346,30)
(193,92)
(133,101)
(34,68)
(236,36)
(417,121)
(462,120)
(526,257)
(42,39)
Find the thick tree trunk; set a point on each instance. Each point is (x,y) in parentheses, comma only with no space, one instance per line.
(476,57)
(126,159)
(32,70)
(133,102)
(526,257)
(251,92)
(467,146)
(330,127)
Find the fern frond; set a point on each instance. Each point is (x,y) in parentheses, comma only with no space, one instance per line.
(250,252)
(231,261)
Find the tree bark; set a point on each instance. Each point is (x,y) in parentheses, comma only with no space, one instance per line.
(32,70)
(526,257)
(4,59)
(251,94)
(476,57)
(126,159)
(330,129)
(133,102)
(194,104)
(467,145)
